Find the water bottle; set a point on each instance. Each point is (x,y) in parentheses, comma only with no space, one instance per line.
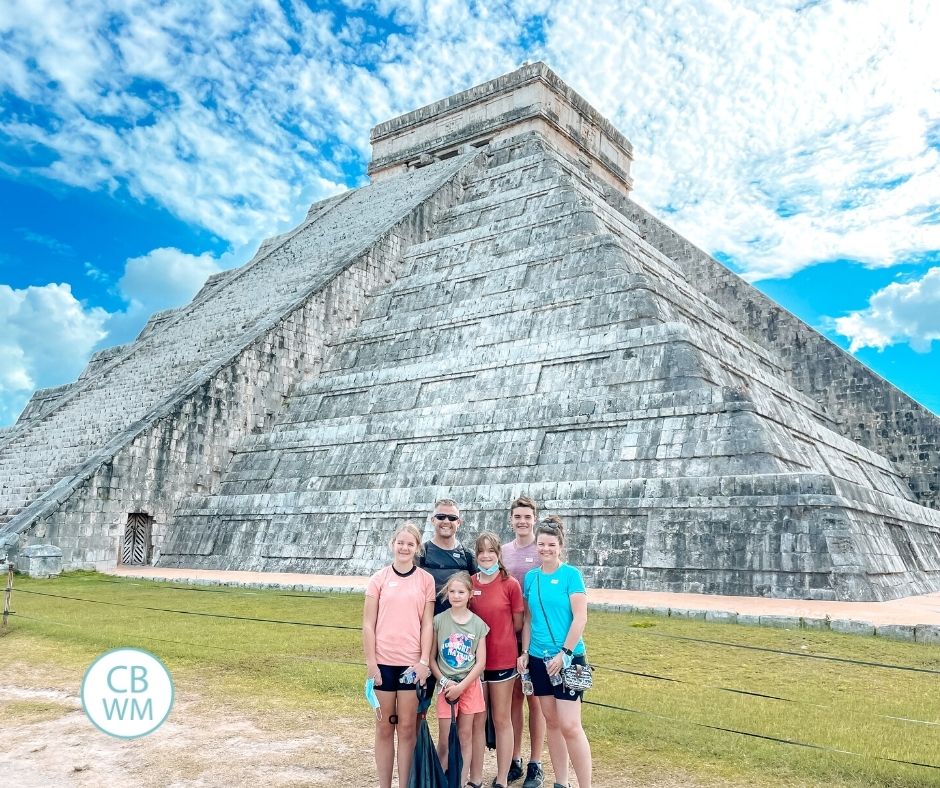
(527,688)
(556,679)
(408,677)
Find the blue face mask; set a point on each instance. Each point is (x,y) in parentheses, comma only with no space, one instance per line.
(488,572)
(370,693)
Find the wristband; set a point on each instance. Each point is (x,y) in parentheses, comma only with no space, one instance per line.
(423,662)
(567,651)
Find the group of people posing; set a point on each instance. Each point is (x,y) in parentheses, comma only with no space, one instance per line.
(487,624)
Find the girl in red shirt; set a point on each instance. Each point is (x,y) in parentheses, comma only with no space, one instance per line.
(497,599)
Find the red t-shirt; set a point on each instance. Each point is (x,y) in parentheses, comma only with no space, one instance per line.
(495,602)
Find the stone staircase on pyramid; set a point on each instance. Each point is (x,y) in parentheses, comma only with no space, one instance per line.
(65,436)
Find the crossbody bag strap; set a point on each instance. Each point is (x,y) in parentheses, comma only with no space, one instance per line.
(538,589)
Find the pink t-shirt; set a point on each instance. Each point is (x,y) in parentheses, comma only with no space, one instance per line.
(519,560)
(402,602)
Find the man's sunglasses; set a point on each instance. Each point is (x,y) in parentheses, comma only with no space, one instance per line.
(452,517)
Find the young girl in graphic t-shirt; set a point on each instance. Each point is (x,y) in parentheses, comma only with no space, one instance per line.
(397,637)
(497,599)
(458,661)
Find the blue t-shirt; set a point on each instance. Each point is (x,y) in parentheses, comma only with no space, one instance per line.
(555,589)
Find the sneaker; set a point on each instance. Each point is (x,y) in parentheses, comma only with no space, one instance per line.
(533,776)
(515,770)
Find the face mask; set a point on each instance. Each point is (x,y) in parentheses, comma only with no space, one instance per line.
(488,572)
(370,693)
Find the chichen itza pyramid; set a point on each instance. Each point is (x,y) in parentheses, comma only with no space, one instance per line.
(491,316)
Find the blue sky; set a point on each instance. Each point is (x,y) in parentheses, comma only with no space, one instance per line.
(146,146)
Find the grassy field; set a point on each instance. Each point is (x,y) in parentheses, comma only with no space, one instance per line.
(662,721)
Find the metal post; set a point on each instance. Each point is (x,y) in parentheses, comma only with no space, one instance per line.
(8,594)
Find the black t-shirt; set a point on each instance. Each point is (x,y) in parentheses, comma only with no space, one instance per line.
(442,564)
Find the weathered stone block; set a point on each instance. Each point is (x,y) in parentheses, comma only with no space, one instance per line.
(927,633)
(895,632)
(722,616)
(678,612)
(39,560)
(781,622)
(851,627)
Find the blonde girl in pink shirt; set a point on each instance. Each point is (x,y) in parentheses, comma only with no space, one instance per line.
(397,637)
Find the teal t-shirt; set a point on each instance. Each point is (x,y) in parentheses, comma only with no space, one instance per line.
(555,590)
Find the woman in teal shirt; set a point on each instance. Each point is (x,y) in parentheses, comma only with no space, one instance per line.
(555,617)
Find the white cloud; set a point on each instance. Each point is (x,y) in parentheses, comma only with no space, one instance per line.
(228,113)
(46,335)
(773,133)
(165,278)
(901,312)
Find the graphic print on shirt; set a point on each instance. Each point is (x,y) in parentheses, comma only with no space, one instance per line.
(457,651)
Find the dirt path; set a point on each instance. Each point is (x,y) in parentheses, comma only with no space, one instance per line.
(48,740)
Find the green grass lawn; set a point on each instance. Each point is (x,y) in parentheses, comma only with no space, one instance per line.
(864,709)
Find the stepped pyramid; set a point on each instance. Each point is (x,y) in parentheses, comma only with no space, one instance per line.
(492,316)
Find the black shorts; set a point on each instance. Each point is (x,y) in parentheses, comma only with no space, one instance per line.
(543,685)
(391,678)
(496,676)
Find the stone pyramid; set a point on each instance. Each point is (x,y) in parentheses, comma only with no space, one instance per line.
(492,316)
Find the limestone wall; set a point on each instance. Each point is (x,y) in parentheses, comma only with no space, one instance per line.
(866,407)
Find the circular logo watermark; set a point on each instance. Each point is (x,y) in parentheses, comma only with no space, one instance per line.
(127,693)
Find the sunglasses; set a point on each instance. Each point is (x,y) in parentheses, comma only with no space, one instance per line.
(451,517)
(549,527)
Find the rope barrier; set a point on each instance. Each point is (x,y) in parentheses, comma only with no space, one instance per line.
(765,737)
(305,595)
(847,660)
(752,693)
(192,613)
(264,654)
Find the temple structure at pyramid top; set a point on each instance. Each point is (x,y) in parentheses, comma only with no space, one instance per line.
(532,98)
(491,316)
